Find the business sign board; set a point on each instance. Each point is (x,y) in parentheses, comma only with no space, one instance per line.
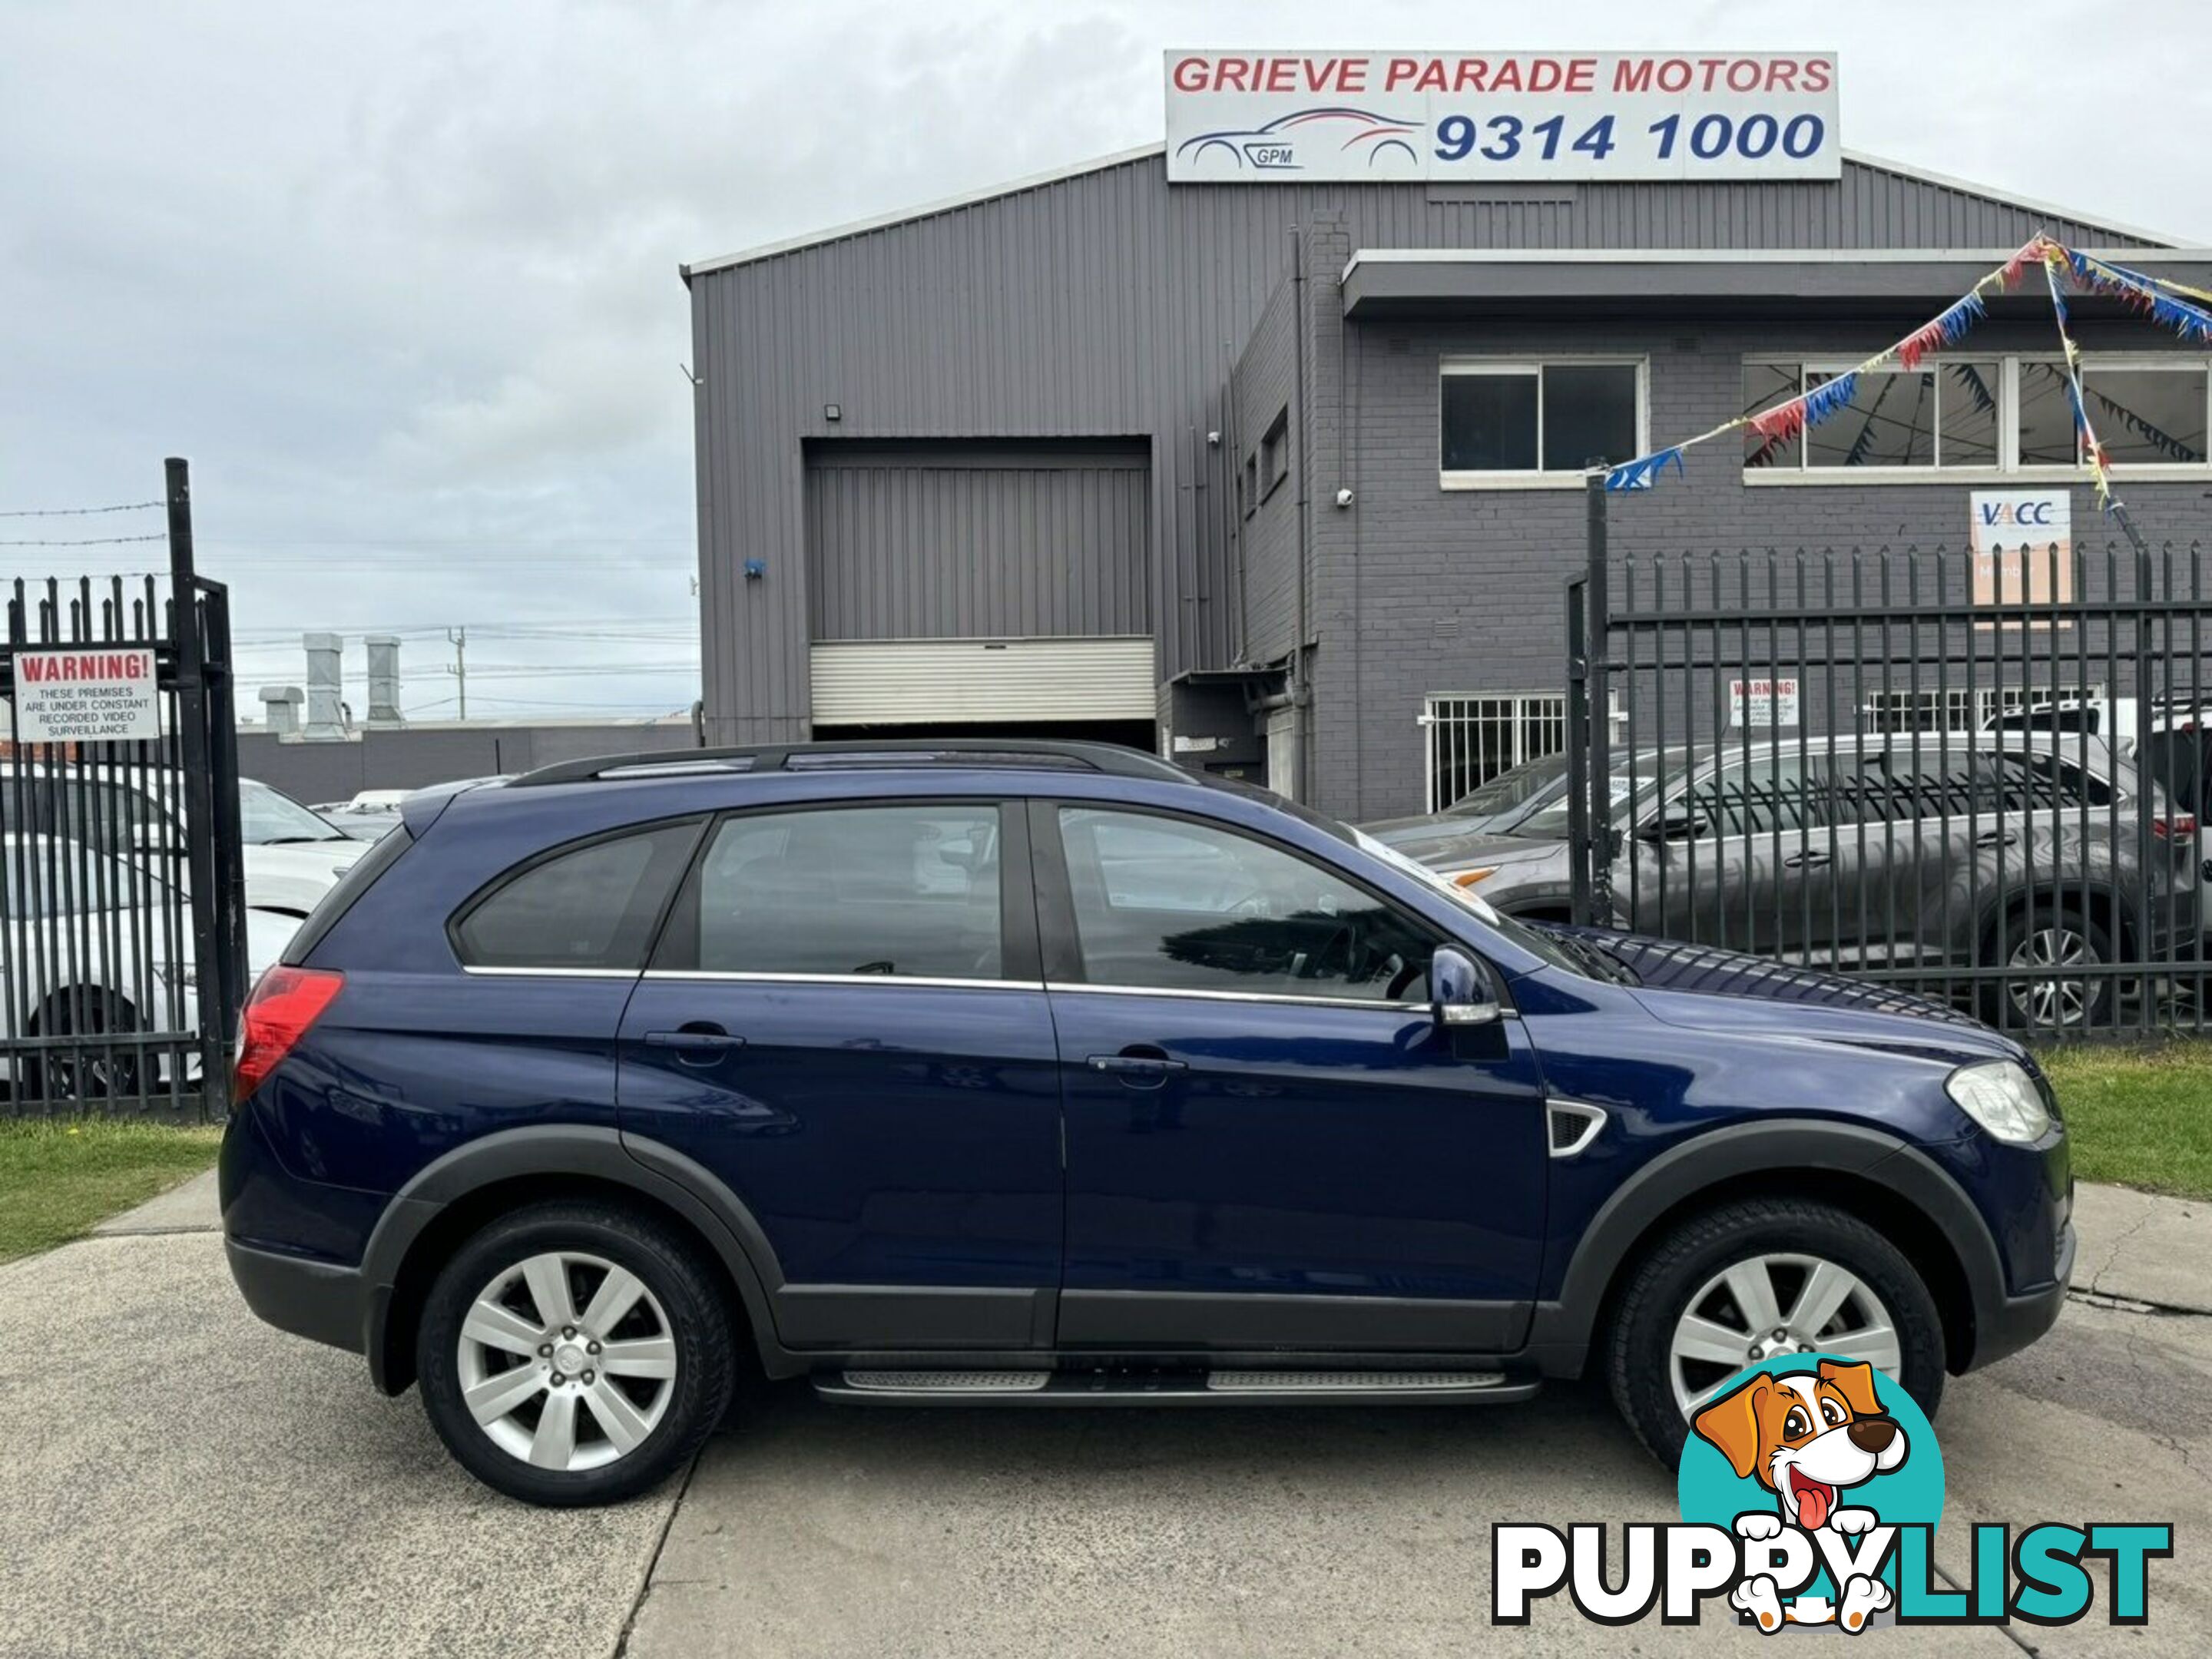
(1295,117)
(2022,542)
(107,694)
(1764,702)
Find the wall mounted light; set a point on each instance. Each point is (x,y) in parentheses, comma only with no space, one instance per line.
(833,411)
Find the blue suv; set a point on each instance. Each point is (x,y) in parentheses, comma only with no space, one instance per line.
(1050,1074)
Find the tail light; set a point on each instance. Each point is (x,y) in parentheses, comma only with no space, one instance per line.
(283,1003)
(2176,826)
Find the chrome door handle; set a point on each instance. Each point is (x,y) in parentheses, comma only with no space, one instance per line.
(1135,1065)
(696,1044)
(1807,860)
(1996,838)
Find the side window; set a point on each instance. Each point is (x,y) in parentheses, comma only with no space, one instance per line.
(1171,905)
(1897,785)
(593,907)
(1769,793)
(108,817)
(898,890)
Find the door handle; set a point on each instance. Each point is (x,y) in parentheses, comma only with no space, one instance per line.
(697,1042)
(1997,838)
(1807,860)
(1137,1070)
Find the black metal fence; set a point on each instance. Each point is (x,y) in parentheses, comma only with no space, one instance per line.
(1980,777)
(123,947)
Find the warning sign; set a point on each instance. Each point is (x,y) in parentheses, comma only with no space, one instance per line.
(106,695)
(1763,702)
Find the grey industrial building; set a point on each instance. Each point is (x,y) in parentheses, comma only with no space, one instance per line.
(1284,478)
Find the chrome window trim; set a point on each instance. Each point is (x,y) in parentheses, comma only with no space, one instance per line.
(1059,987)
(924,981)
(489,972)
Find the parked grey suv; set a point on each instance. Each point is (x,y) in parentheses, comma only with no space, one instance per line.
(1948,851)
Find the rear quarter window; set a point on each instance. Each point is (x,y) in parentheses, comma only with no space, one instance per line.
(596,905)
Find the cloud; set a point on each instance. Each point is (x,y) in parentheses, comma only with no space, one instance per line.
(401,280)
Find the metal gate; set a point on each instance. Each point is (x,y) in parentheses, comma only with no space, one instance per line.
(1986,784)
(122,887)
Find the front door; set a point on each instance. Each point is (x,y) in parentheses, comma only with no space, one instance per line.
(1269,1142)
(844,1022)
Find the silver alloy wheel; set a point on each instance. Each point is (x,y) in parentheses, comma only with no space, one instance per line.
(2063,999)
(567,1361)
(1773,1304)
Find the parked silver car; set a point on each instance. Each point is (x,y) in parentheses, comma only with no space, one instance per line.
(1943,851)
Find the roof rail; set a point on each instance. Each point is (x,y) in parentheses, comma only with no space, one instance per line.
(856,754)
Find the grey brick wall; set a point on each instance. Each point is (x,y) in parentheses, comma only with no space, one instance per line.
(1421,590)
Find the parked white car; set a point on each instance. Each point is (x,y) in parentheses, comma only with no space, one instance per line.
(92,945)
(292,858)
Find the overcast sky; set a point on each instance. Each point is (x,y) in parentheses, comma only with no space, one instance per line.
(400,279)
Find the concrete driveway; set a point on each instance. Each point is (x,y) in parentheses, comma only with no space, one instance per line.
(184,1481)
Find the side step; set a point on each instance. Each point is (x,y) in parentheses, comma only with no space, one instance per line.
(1171,1387)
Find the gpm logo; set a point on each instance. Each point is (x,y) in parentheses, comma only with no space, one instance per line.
(1810,1490)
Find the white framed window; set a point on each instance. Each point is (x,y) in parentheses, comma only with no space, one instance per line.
(2149,411)
(1523,423)
(1474,736)
(1959,417)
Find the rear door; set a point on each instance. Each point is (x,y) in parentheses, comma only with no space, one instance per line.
(1750,864)
(846,1023)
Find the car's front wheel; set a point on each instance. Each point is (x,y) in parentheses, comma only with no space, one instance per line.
(575,1353)
(1752,1280)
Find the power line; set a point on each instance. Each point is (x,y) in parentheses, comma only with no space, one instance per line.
(76,512)
(93,541)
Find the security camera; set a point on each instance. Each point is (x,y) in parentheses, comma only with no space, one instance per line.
(1344,498)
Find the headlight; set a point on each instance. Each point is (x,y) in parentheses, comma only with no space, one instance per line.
(1471,878)
(2002,1098)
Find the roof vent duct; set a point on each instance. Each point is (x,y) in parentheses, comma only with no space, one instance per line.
(326,711)
(384,681)
(280,709)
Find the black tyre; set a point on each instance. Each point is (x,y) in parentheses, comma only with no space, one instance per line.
(1751,1280)
(91,1071)
(575,1353)
(2046,949)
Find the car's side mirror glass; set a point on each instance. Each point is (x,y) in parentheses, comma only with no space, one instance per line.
(1679,823)
(1459,989)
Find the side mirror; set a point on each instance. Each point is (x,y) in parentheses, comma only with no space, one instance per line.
(1459,989)
(1678,824)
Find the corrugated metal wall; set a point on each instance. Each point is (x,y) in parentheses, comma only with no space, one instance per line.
(1107,304)
(935,542)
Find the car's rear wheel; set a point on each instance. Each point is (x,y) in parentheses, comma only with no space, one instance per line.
(575,1353)
(89,1070)
(2051,954)
(1755,1279)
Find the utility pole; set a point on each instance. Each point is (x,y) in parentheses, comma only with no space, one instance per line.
(458,668)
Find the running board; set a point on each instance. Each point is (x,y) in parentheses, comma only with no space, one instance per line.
(1164,1388)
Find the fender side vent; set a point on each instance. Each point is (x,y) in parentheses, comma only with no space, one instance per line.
(1573,1126)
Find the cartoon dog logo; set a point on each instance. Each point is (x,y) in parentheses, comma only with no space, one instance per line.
(1807,1437)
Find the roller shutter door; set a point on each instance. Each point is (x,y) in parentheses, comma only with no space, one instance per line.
(916,682)
(974,581)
